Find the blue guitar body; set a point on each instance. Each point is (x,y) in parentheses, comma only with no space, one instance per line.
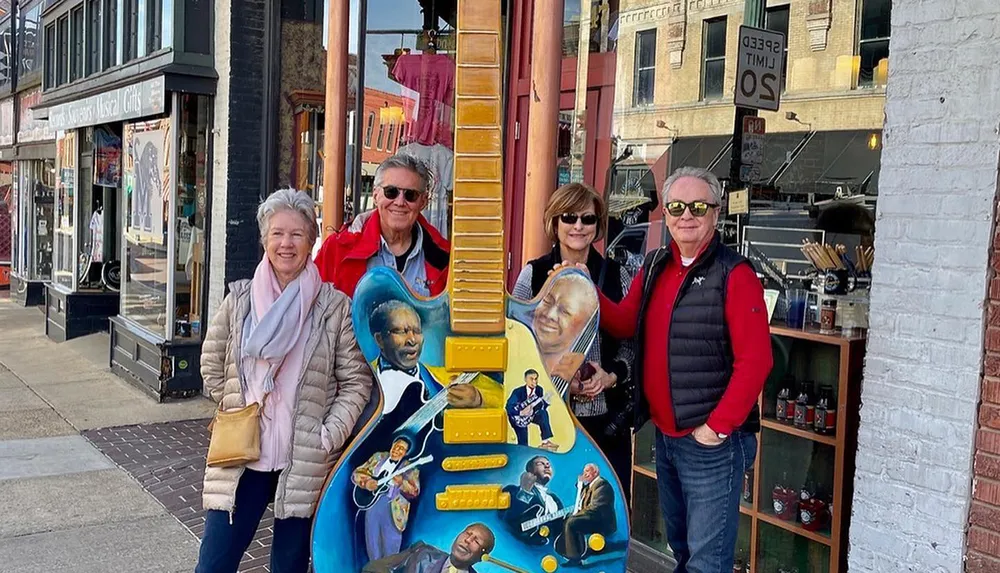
(344,537)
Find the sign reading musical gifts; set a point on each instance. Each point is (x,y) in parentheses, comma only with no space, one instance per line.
(143,99)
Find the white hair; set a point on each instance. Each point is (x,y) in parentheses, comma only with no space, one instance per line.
(288,199)
(698,173)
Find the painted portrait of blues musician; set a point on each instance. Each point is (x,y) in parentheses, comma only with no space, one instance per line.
(378,510)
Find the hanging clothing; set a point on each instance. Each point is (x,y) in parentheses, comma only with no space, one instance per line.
(97,236)
(440,161)
(428,82)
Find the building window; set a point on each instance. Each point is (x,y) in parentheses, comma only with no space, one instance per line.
(713,68)
(776,20)
(28,39)
(643,81)
(130,31)
(391,138)
(110,44)
(381,134)
(5,54)
(50,56)
(368,130)
(93,37)
(76,47)
(873,43)
(62,50)
(154,25)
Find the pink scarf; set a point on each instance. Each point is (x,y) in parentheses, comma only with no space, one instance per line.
(277,321)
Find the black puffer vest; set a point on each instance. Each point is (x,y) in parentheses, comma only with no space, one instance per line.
(699,351)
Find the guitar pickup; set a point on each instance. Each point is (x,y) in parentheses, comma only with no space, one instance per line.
(483,354)
(475,426)
(472,497)
(473,463)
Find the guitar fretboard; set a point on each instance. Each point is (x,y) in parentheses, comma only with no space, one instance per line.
(478,262)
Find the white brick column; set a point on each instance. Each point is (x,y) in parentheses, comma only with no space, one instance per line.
(933,238)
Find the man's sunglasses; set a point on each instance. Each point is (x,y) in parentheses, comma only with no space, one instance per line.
(571,219)
(698,208)
(391,192)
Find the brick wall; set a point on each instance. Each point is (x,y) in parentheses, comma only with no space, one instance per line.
(933,239)
(239,55)
(984,516)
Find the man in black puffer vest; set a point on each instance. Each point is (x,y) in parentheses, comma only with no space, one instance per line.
(703,352)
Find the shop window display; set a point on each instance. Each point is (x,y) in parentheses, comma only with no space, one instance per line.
(34,192)
(192,195)
(64,274)
(146,186)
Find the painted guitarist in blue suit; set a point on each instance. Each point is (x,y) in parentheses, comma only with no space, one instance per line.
(530,499)
(527,406)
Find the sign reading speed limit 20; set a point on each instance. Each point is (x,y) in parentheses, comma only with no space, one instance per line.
(758,73)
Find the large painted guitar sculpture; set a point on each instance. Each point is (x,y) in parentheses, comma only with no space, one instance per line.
(472,459)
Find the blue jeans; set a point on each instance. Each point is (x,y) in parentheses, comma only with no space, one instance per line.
(223,544)
(699,489)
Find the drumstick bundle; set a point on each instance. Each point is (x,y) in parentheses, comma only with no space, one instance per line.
(834,257)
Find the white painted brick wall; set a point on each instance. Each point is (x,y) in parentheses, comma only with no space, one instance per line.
(933,238)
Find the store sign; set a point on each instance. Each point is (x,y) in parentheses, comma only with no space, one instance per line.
(7,122)
(760,60)
(29,129)
(739,202)
(137,100)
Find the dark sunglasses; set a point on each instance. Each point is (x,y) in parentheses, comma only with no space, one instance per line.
(571,219)
(391,192)
(698,208)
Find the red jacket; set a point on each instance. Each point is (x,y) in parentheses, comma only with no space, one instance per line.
(343,258)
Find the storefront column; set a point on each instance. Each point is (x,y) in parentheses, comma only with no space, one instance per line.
(543,123)
(335,120)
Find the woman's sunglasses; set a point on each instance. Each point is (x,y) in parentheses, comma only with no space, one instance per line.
(391,192)
(571,219)
(698,208)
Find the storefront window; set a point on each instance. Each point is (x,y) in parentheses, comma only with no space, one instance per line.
(34,189)
(813,173)
(593,20)
(64,274)
(191,210)
(409,96)
(146,187)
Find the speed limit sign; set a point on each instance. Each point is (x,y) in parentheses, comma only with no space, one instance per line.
(758,72)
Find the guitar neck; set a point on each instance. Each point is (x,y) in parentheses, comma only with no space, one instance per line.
(478,262)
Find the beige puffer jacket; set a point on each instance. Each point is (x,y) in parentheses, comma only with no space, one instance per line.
(333,389)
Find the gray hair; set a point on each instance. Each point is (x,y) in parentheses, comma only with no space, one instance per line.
(698,173)
(404,161)
(288,199)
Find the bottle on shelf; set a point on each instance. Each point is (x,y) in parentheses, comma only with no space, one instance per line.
(785,406)
(826,412)
(747,494)
(804,408)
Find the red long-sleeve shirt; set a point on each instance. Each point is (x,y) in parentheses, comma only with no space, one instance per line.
(749,334)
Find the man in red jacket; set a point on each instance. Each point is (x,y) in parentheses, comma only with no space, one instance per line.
(396,235)
(703,349)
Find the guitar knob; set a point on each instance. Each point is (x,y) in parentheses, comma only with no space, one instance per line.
(543,531)
(596,542)
(549,564)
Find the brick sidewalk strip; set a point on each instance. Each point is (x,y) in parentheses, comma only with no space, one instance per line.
(168,460)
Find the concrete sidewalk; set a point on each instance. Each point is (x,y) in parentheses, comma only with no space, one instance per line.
(69,507)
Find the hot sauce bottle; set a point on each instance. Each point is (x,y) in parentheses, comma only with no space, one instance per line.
(804,409)
(784,408)
(826,412)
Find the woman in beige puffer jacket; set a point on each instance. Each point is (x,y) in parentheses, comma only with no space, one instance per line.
(288,336)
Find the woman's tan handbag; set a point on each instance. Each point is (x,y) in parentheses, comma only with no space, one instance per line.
(235,437)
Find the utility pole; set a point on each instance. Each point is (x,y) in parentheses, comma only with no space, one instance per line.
(753,15)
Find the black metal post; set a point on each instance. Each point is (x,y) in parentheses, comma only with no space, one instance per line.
(753,15)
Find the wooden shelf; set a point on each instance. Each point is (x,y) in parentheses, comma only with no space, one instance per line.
(812,333)
(792,430)
(793,527)
(648,470)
